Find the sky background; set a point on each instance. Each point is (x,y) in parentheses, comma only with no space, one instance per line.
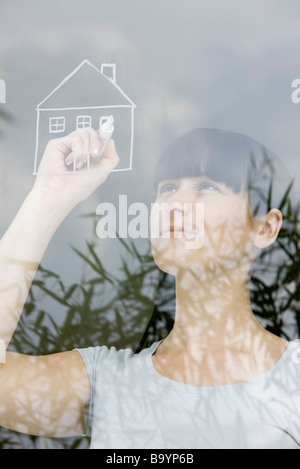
(188,64)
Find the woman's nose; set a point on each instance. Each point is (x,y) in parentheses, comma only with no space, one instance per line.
(182,203)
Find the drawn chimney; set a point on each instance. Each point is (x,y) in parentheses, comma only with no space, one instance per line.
(109,70)
(2,92)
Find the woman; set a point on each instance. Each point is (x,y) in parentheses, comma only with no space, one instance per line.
(219,379)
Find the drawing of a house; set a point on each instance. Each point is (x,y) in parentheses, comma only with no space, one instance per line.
(85,98)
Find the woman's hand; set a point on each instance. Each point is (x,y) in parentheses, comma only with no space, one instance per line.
(62,173)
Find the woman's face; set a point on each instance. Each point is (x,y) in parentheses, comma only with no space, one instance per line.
(197,224)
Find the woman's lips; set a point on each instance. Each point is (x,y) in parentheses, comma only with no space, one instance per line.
(178,232)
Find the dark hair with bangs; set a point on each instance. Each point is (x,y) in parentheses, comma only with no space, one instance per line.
(231,158)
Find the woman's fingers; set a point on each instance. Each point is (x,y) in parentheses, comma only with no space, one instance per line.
(71,166)
(95,144)
(85,149)
(80,151)
(79,145)
(109,160)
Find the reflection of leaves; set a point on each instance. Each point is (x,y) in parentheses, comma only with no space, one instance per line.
(274,298)
(102,309)
(5,116)
(162,319)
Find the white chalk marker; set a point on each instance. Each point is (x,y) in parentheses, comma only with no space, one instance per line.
(106,132)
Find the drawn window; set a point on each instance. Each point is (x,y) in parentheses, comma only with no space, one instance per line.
(57,124)
(83,122)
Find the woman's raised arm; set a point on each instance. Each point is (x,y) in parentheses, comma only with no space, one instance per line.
(27,382)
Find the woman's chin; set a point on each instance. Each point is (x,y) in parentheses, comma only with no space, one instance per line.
(173,258)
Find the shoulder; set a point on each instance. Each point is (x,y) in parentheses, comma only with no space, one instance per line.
(111,358)
(95,357)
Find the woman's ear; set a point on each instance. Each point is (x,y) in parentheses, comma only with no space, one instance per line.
(267,229)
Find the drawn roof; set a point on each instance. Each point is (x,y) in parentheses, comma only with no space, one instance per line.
(86,86)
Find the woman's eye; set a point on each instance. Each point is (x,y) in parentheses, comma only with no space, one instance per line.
(208,186)
(168,188)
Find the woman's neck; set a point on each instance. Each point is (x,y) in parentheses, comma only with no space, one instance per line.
(216,312)
(216,338)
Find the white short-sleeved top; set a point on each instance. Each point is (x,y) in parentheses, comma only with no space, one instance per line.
(132,406)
